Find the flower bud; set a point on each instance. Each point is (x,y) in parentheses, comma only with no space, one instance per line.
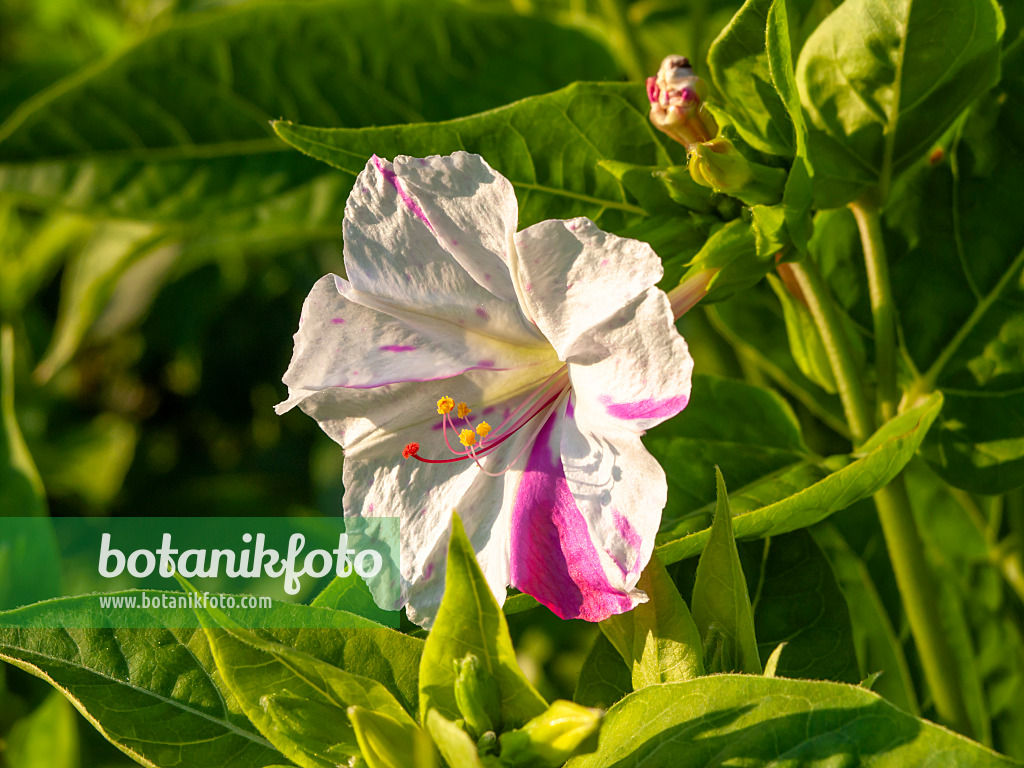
(677,103)
(719,165)
(550,739)
(477,696)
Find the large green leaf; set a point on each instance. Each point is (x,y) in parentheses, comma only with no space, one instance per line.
(881,80)
(721,604)
(156,694)
(470,622)
(797,601)
(738,61)
(298,702)
(958,286)
(810,491)
(604,678)
(748,720)
(877,645)
(547,146)
(178,127)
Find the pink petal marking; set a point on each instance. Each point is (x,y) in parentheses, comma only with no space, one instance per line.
(338,321)
(482,313)
(553,556)
(397,348)
(645,409)
(406,198)
(631,536)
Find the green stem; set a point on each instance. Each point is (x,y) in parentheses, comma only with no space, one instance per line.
(918,591)
(624,37)
(914,576)
(906,549)
(882,310)
(837,345)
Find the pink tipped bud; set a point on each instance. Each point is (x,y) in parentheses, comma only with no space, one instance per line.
(677,103)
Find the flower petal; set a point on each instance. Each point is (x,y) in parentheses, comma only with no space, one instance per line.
(471,209)
(342,343)
(574,277)
(554,554)
(393,251)
(380,483)
(633,370)
(640,378)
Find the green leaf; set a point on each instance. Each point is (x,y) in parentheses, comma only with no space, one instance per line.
(657,639)
(805,342)
(770,229)
(386,743)
(959,289)
(451,741)
(21,490)
(89,281)
(30,565)
(720,599)
(747,720)
(807,493)
(156,693)
(797,602)
(877,88)
(731,252)
(605,678)
(661,190)
(48,738)
(739,68)
(470,621)
(750,432)
(298,702)
(780,48)
(176,128)
(877,644)
(547,146)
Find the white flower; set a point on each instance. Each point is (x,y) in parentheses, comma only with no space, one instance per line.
(555,336)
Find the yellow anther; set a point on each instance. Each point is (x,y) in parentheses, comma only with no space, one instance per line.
(463,411)
(445,405)
(467,437)
(484,429)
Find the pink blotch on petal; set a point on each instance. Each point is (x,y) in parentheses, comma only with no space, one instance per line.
(338,321)
(404,196)
(553,556)
(397,348)
(482,313)
(486,364)
(650,408)
(630,535)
